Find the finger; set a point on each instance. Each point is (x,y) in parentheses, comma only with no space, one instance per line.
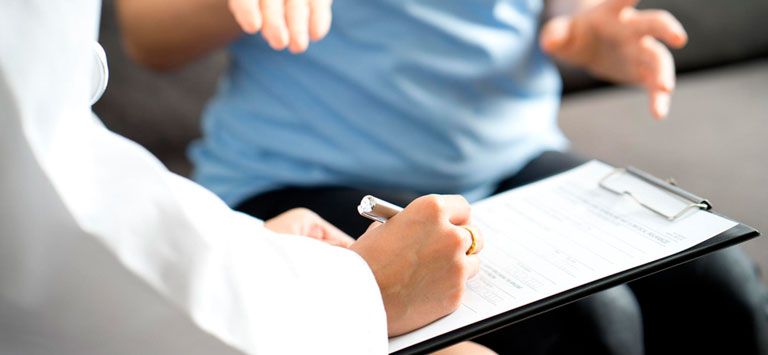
(297,17)
(457,209)
(341,242)
(247,14)
(658,65)
(660,102)
(274,30)
(453,208)
(659,76)
(618,5)
(320,18)
(316,227)
(555,34)
(334,235)
(473,265)
(659,24)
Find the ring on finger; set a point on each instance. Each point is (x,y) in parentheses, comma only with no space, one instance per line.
(473,246)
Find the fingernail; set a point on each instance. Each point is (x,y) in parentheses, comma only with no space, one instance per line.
(273,43)
(679,40)
(668,85)
(681,36)
(662,106)
(284,39)
(256,24)
(298,47)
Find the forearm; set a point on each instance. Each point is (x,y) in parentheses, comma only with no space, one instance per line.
(166,34)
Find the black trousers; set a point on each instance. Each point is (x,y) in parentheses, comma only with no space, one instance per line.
(713,305)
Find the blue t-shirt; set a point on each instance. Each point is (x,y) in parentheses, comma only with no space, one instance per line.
(433,96)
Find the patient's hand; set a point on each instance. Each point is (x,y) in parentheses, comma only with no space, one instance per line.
(615,41)
(301,221)
(284,23)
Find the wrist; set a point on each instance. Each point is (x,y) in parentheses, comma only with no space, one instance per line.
(394,307)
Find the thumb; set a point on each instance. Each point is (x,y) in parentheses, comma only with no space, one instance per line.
(330,234)
(555,34)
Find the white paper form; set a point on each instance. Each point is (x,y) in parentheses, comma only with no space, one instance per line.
(563,232)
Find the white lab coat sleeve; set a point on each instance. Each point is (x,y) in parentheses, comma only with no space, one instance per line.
(102,250)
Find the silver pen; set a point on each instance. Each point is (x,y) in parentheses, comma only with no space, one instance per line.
(377,209)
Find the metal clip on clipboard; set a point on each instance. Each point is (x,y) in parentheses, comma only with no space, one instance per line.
(669,186)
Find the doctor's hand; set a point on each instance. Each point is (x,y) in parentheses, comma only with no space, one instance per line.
(617,42)
(419,260)
(301,221)
(284,23)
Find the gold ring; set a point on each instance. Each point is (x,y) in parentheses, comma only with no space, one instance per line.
(472,247)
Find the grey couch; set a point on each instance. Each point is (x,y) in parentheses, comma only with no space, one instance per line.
(713,142)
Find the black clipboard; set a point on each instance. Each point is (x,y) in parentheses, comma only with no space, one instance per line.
(737,234)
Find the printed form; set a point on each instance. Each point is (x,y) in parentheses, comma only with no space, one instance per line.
(563,232)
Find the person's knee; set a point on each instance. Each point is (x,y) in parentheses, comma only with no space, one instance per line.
(734,295)
(616,306)
(732,275)
(613,318)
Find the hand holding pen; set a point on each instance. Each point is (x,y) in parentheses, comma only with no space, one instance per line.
(380,211)
(435,252)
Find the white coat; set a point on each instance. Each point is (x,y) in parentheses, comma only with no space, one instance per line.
(104,251)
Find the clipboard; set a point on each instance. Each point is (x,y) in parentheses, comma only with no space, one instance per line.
(735,235)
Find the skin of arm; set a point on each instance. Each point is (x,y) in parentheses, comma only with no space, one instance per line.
(164,35)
